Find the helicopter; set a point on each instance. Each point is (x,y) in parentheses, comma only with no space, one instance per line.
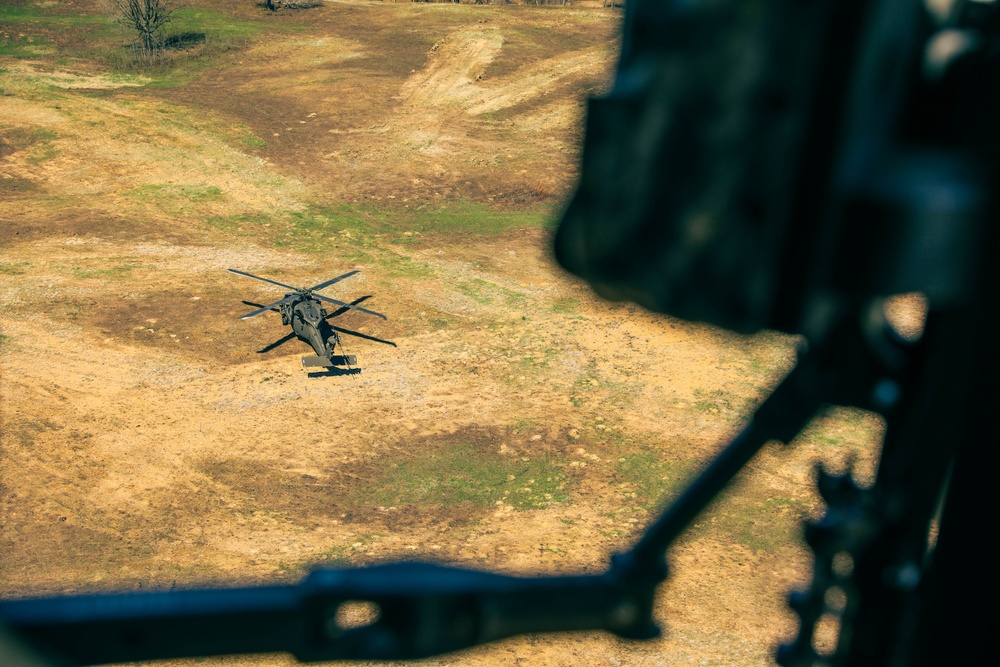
(303,310)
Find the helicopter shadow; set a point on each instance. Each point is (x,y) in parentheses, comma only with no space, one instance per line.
(334,372)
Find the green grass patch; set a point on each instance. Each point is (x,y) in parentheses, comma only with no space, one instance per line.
(537,361)
(365,227)
(474,289)
(219,27)
(715,401)
(26,31)
(461,473)
(566,305)
(20,139)
(762,524)
(487,293)
(44,135)
(252,141)
(117,272)
(239,223)
(127,79)
(652,478)
(192,192)
(14,268)
(23,28)
(843,427)
(398,266)
(197,38)
(461,217)
(35,15)
(706,406)
(13,185)
(524,425)
(406,225)
(338,556)
(42,152)
(320,229)
(352,233)
(24,47)
(177,198)
(474,218)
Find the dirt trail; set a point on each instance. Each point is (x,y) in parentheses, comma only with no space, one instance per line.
(453,76)
(440,103)
(453,64)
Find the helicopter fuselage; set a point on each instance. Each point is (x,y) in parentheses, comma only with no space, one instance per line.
(302,309)
(308,320)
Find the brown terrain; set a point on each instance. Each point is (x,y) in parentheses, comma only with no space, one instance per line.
(522,424)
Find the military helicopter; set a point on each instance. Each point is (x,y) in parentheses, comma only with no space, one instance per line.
(303,310)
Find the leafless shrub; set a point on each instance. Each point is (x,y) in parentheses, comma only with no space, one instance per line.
(146,18)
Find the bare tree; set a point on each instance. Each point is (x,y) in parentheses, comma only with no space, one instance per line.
(147,18)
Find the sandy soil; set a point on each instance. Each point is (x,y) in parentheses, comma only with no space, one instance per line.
(147,444)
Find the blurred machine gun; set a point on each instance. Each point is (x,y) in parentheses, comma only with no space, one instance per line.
(781,164)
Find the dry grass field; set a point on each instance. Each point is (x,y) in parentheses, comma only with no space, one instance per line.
(521,424)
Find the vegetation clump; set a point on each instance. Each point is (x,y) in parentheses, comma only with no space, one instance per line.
(461,473)
(147,18)
(274,5)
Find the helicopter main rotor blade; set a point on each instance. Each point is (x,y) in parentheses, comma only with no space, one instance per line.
(361,335)
(270,307)
(347,305)
(266,280)
(341,311)
(281,341)
(333,280)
